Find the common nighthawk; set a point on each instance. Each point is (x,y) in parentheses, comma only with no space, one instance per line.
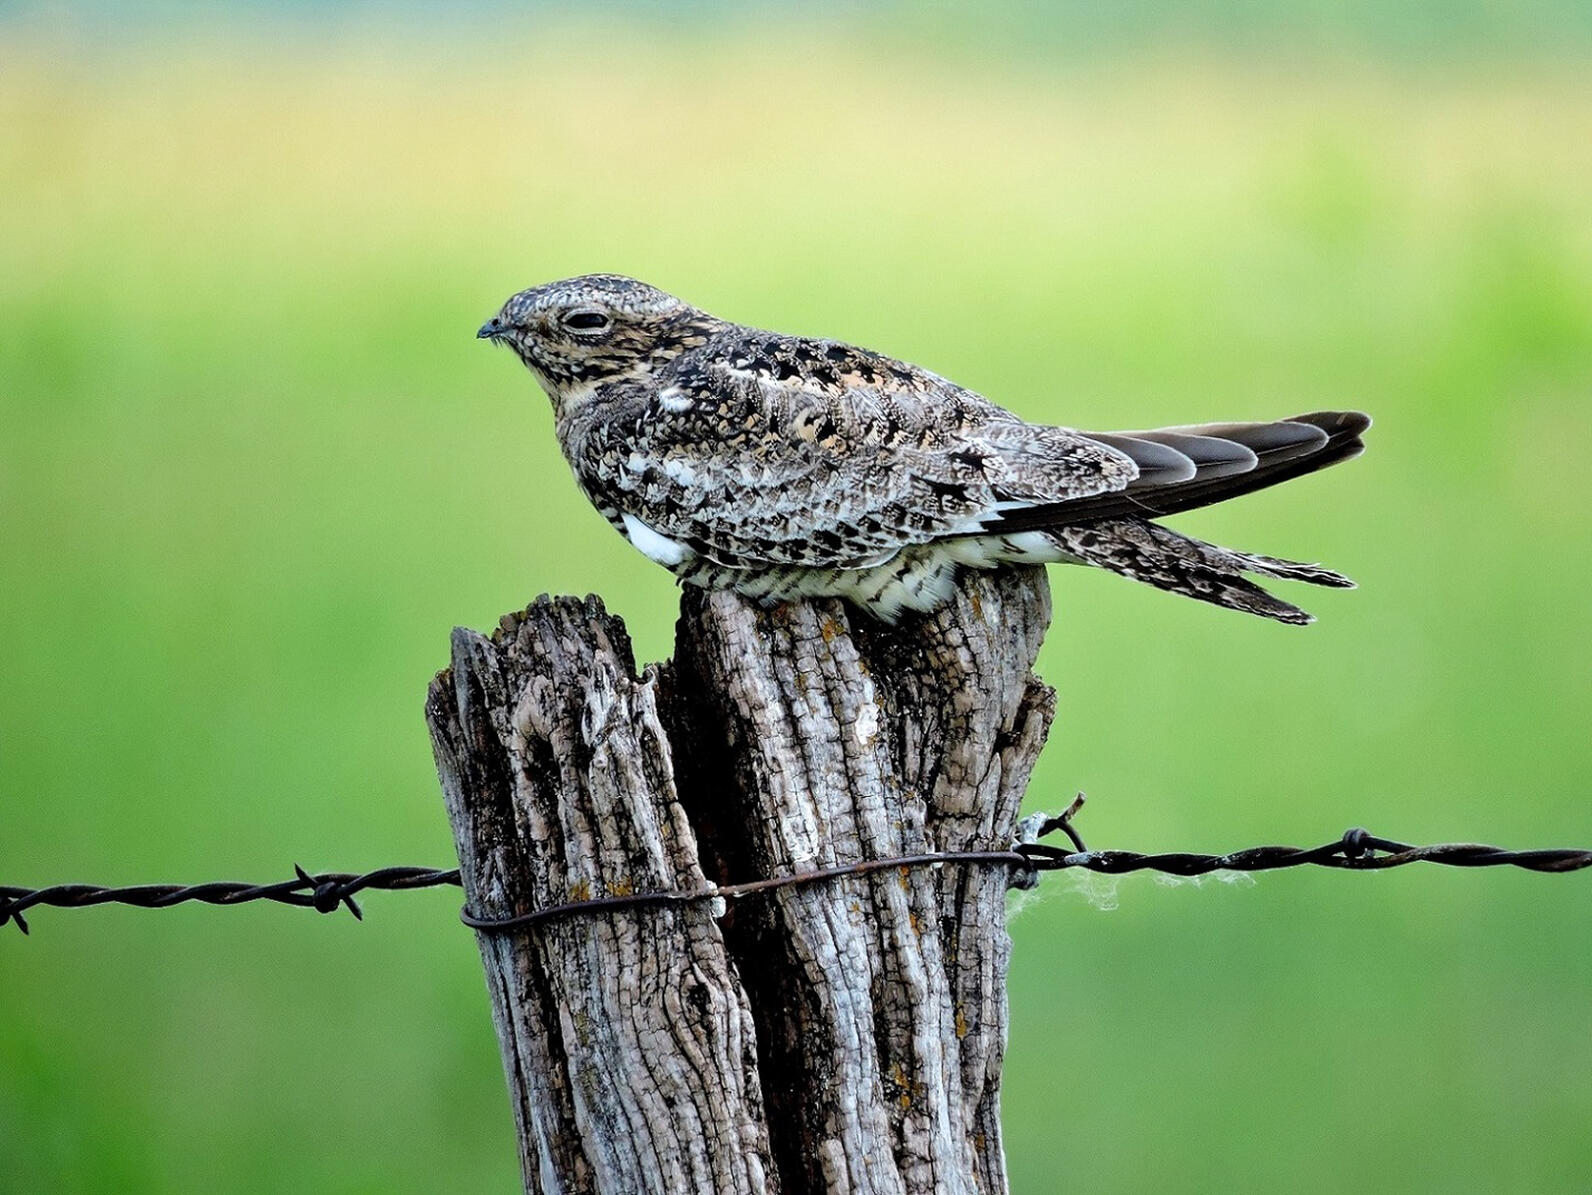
(787,466)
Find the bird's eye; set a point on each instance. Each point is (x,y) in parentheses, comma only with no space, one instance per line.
(586,321)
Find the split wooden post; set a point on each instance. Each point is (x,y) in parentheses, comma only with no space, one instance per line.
(844,1036)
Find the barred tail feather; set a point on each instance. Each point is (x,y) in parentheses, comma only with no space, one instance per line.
(1161,557)
(1291,570)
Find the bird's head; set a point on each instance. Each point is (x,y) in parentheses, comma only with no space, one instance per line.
(579,332)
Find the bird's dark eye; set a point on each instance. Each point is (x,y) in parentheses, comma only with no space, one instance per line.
(586,321)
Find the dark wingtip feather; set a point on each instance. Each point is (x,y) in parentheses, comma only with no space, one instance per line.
(1286,449)
(1159,463)
(1213,456)
(1336,423)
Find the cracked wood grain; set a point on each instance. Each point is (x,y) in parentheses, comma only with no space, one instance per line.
(627,1041)
(839,1037)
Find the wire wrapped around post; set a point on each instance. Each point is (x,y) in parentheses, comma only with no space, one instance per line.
(843,1030)
(328,892)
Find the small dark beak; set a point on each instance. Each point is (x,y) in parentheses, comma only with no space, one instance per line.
(491,330)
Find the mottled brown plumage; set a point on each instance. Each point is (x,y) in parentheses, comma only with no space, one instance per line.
(784,466)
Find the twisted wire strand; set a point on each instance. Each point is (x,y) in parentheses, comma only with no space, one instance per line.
(326,892)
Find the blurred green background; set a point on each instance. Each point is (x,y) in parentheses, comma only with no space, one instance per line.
(254,466)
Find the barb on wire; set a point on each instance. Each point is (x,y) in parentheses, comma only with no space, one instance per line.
(325,893)
(1356,850)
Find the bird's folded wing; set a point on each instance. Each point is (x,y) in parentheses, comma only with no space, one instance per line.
(754,470)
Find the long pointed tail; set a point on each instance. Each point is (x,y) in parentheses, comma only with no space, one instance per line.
(1159,556)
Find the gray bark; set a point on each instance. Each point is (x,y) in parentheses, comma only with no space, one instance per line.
(845,1036)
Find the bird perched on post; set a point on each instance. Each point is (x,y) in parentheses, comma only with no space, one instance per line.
(786,466)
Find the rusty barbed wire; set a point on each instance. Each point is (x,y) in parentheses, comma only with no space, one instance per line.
(326,892)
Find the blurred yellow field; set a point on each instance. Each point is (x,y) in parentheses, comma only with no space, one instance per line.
(254,466)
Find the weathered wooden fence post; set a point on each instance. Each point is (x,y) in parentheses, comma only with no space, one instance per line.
(845,1036)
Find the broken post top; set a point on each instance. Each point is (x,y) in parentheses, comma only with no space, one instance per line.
(840,1036)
